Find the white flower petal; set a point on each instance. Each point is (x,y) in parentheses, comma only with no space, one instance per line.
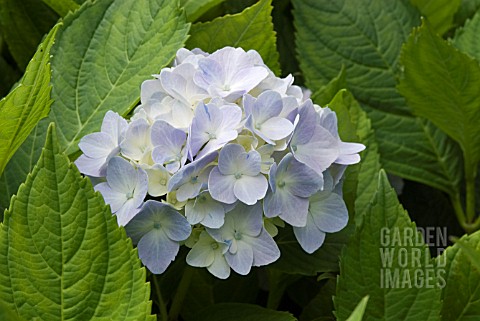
(250,189)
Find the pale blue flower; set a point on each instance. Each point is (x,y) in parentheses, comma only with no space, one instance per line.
(263,116)
(178,83)
(327,213)
(169,145)
(348,152)
(156,230)
(137,145)
(157,104)
(249,243)
(229,73)
(188,181)
(158,178)
(213,127)
(237,176)
(205,210)
(291,183)
(209,253)
(124,190)
(311,143)
(99,148)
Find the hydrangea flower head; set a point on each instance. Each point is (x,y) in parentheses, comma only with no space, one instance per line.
(221,156)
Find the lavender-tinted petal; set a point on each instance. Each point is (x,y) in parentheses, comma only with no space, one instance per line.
(227,159)
(249,163)
(127,212)
(302,180)
(188,190)
(96,145)
(276,128)
(268,105)
(121,175)
(91,166)
(265,250)
(114,125)
(157,251)
(330,214)
(295,210)
(273,203)
(309,237)
(221,186)
(250,189)
(164,134)
(241,262)
(210,72)
(246,79)
(246,219)
(111,197)
(320,152)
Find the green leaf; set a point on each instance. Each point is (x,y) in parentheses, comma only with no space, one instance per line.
(467,9)
(439,13)
(85,63)
(242,312)
(461,294)
(439,77)
(466,38)
(387,260)
(196,8)
(63,255)
(97,67)
(7,314)
(326,93)
(357,314)
(23,25)
(250,29)
(22,163)
(62,7)
(326,33)
(470,251)
(30,101)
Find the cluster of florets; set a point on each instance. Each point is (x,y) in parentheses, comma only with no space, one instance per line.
(225,152)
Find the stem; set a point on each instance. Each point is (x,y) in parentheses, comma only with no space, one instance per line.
(470,174)
(161,303)
(457,206)
(181,293)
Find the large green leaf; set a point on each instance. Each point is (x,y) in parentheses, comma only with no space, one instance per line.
(375,29)
(387,260)
(461,295)
(30,101)
(242,312)
(466,38)
(104,52)
(439,13)
(62,7)
(98,67)
(196,8)
(63,256)
(23,25)
(250,29)
(442,84)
